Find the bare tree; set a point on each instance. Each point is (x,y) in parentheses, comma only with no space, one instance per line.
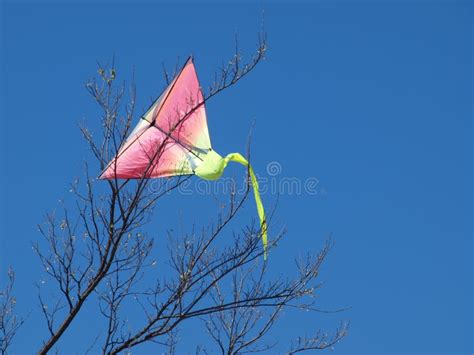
(9,322)
(99,249)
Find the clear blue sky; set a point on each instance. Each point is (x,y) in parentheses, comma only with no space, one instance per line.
(372,99)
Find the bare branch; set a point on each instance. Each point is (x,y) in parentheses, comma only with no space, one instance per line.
(320,340)
(9,321)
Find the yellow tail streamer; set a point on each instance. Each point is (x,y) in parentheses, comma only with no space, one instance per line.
(238,158)
(212,168)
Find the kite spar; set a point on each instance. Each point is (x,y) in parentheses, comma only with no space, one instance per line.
(172,139)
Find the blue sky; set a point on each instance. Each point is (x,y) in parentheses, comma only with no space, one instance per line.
(372,99)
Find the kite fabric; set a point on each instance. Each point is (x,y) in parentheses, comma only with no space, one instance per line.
(172,139)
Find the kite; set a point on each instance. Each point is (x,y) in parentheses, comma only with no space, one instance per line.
(172,139)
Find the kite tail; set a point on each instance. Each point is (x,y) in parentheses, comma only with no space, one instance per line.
(238,158)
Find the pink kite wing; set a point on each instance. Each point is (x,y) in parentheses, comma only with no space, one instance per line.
(151,155)
(169,137)
(182,112)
